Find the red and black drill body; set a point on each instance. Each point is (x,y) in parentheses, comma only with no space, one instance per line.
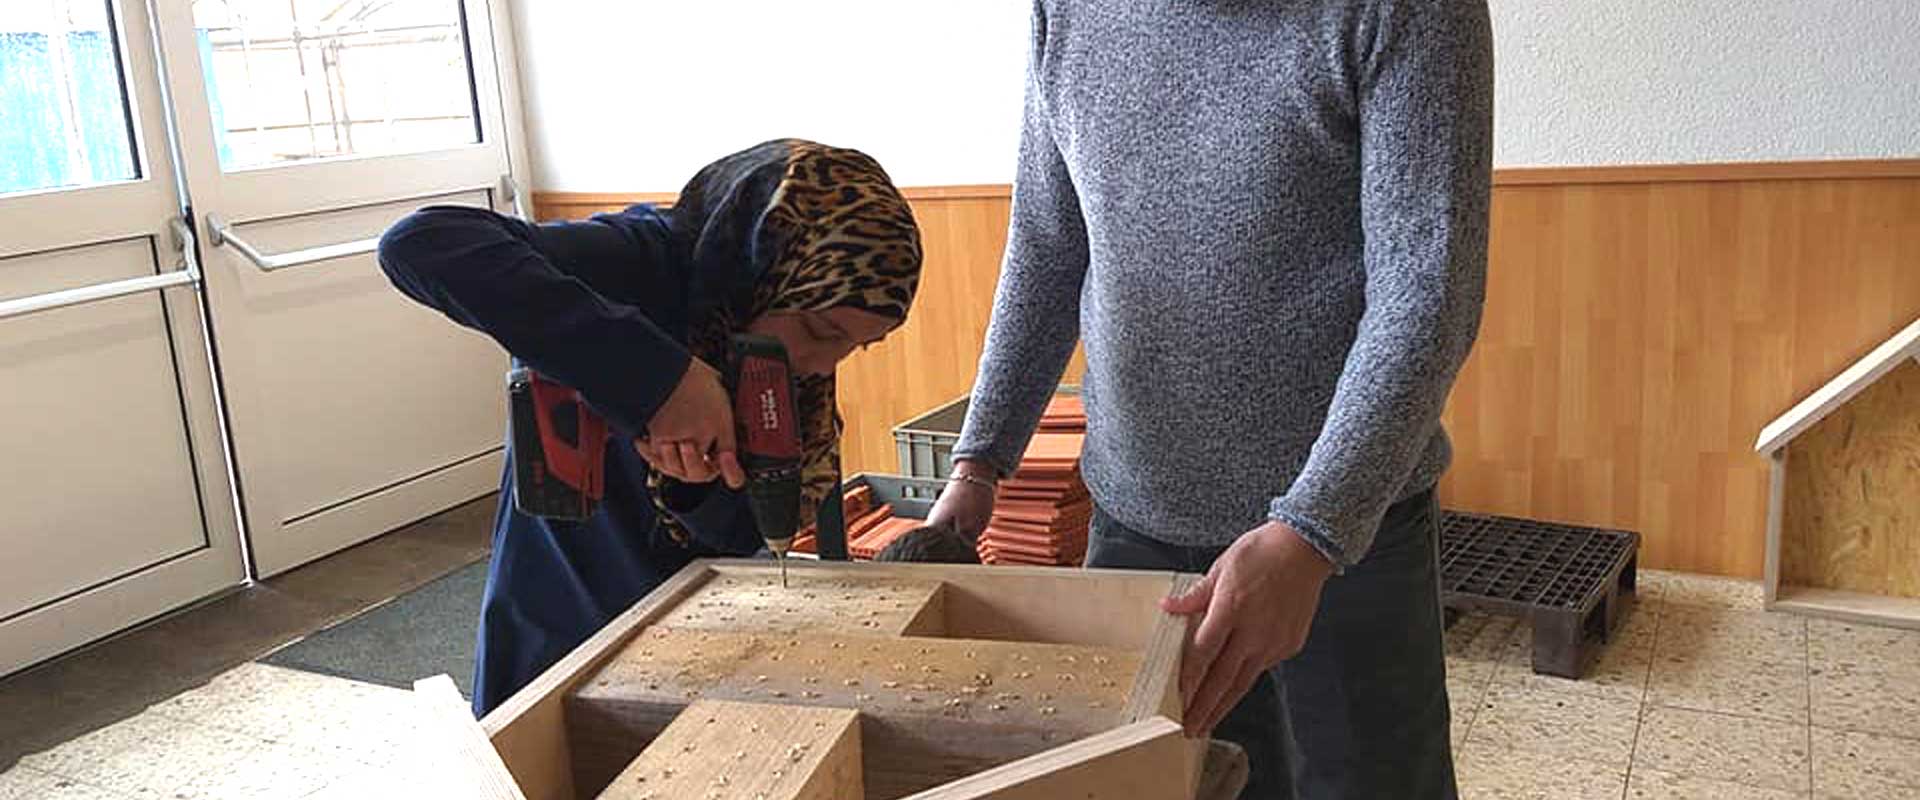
(560,442)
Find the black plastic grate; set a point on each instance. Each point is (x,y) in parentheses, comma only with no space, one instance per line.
(1530,563)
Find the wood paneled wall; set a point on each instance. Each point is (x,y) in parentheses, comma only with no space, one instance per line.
(1642,325)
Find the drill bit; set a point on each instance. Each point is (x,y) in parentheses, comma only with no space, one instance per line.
(780,548)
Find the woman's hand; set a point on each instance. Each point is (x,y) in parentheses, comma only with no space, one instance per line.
(966,504)
(690,437)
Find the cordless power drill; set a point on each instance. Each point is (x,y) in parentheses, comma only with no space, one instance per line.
(560,442)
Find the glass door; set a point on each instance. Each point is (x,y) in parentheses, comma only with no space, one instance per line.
(308,127)
(115,504)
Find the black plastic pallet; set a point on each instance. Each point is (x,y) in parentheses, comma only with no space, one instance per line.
(1572,582)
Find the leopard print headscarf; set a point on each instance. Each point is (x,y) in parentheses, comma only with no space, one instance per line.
(791,225)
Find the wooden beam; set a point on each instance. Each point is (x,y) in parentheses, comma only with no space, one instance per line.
(1838,391)
(748,750)
(1121,764)
(1870,609)
(470,768)
(1776,502)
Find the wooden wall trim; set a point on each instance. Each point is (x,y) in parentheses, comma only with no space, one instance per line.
(598,200)
(1855,169)
(1710,173)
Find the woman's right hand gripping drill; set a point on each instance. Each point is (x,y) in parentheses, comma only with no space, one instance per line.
(691,436)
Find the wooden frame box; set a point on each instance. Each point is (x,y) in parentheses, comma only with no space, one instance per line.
(1842,538)
(970,682)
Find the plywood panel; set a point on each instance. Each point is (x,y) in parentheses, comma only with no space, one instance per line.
(1851,520)
(1639,333)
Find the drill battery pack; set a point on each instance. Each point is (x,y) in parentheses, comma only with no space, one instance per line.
(559,448)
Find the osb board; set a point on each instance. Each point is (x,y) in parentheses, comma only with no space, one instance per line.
(748,751)
(753,602)
(1851,518)
(933,709)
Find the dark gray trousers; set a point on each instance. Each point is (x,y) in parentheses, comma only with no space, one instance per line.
(1361,713)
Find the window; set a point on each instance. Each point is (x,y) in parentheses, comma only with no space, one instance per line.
(292,80)
(63,103)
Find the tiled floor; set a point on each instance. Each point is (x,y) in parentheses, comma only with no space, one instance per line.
(119,678)
(1701,696)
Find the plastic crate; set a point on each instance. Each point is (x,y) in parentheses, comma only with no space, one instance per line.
(909,497)
(1571,582)
(926,441)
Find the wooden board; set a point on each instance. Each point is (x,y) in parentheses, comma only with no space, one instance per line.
(1851,514)
(469,768)
(935,708)
(754,602)
(748,751)
(551,749)
(1126,763)
(1899,612)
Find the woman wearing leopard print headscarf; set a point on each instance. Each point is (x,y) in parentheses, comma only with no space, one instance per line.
(809,244)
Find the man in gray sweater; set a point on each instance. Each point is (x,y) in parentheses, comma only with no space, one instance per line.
(1268,223)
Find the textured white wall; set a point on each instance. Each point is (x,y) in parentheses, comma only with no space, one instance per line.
(634,96)
(1684,81)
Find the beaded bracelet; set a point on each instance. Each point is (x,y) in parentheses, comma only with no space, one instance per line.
(975,480)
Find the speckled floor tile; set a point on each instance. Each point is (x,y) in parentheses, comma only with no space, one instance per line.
(1561,724)
(81,753)
(20,783)
(1463,701)
(156,768)
(1863,648)
(1619,673)
(1481,639)
(25,784)
(1776,691)
(1649,784)
(1731,636)
(1492,773)
(1864,765)
(1874,701)
(1739,749)
(1682,588)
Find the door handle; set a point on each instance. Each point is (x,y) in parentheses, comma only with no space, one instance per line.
(220,233)
(187,275)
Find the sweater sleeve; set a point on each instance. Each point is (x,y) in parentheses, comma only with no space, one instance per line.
(1425,101)
(1036,307)
(531,288)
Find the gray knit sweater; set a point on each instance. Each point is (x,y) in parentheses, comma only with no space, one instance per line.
(1267,220)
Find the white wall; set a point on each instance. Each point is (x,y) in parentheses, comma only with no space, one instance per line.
(1687,81)
(634,96)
